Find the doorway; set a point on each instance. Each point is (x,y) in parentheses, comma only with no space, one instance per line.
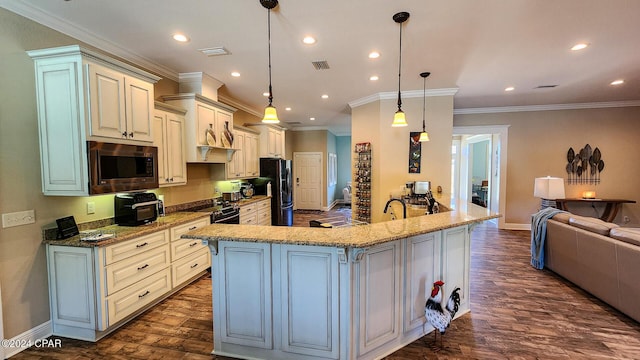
(307,177)
(478,164)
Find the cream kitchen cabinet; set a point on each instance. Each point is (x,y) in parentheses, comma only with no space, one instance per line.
(189,258)
(121,105)
(245,159)
(272,140)
(80,95)
(256,213)
(204,114)
(94,290)
(168,133)
(236,167)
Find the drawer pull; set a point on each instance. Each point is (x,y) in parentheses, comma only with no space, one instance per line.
(193,244)
(143,266)
(194,265)
(193,228)
(143,295)
(143,244)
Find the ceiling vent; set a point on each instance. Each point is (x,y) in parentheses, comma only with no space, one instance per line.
(320,65)
(293,122)
(545,86)
(215,51)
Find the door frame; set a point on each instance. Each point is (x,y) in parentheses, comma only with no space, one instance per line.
(500,137)
(294,176)
(2,355)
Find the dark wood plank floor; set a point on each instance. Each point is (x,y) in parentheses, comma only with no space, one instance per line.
(517,312)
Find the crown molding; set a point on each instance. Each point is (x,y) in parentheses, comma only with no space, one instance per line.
(391,95)
(550,107)
(238,105)
(33,13)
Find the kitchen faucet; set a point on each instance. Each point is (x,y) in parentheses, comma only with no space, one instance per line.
(404,207)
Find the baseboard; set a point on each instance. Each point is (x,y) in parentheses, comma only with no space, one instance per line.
(515,226)
(28,338)
(334,203)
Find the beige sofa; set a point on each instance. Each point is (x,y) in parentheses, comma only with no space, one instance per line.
(601,258)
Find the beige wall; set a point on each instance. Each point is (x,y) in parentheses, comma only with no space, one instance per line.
(390,146)
(309,141)
(538,145)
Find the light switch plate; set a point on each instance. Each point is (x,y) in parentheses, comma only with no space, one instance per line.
(91,207)
(18,218)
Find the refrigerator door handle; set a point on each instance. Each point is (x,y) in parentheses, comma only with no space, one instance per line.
(287,207)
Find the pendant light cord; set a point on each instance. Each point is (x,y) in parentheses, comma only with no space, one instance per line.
(269,32)
(424,100)
(399,70)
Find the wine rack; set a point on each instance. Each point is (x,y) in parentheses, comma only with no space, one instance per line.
(363,181)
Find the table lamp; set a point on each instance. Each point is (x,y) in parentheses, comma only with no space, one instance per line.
(548,189)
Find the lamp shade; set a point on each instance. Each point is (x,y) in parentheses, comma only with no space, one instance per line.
(399,119)
(270,115)
(549,188)
(424,136)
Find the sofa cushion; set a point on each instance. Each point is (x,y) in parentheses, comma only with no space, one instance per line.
(562,217)
(591,224)
(628,235)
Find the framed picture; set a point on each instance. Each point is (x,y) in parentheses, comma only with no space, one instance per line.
(415,152)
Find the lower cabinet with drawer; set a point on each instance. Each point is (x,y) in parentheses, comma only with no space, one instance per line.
(256,213)
(95,290)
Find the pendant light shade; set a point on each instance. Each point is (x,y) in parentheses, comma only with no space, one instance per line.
(399,118)
(270,114)
(424,135)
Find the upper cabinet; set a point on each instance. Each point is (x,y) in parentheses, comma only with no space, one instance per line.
(245,162)
(271,140)
(208,128)
(83,95)
(168,133)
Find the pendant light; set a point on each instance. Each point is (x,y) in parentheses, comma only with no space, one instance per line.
(270,114)
(398,118)
(424,136)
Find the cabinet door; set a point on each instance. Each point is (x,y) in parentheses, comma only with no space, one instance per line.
(206,116)
(271,144)
(244,294)
(160,141)
(139,109)
(251,155)
(456,262)
(63,153)
(176,157)
(279,144)
(224,118)
(106,102)
(235,167)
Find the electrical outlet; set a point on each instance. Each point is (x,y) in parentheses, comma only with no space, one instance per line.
(91,207)
(18,218)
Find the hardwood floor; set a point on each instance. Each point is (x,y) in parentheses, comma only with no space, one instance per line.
(517,312)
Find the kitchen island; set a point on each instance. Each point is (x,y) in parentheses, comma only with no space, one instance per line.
(343,293)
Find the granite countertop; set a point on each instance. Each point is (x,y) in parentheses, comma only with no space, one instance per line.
(354,236)
(252,200)
(123,233)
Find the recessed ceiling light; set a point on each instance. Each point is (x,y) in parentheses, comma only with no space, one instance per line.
(579,46)
(325,96)
(288,108)
(180,37)
(510,88)
(617,82)
(235,74)
(312,118)
(374,55)
(309,40)
(374,78)
(265,94)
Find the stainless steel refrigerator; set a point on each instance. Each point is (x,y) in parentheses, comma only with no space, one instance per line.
(278,173)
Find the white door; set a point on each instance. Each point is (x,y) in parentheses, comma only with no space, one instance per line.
(307,173)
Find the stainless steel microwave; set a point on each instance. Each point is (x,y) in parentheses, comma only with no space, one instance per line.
(121,167)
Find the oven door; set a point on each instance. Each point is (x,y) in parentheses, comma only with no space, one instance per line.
(226,218)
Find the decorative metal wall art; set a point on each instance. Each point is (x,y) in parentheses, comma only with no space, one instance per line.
(585,166)
(415,152)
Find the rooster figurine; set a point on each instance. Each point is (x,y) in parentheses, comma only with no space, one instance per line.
(440,316)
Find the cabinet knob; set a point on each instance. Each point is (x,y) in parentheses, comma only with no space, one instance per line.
(194,265)
(171,179)
(131,134)
(124,134)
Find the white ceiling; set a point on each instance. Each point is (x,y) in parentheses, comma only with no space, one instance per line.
(479,47)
